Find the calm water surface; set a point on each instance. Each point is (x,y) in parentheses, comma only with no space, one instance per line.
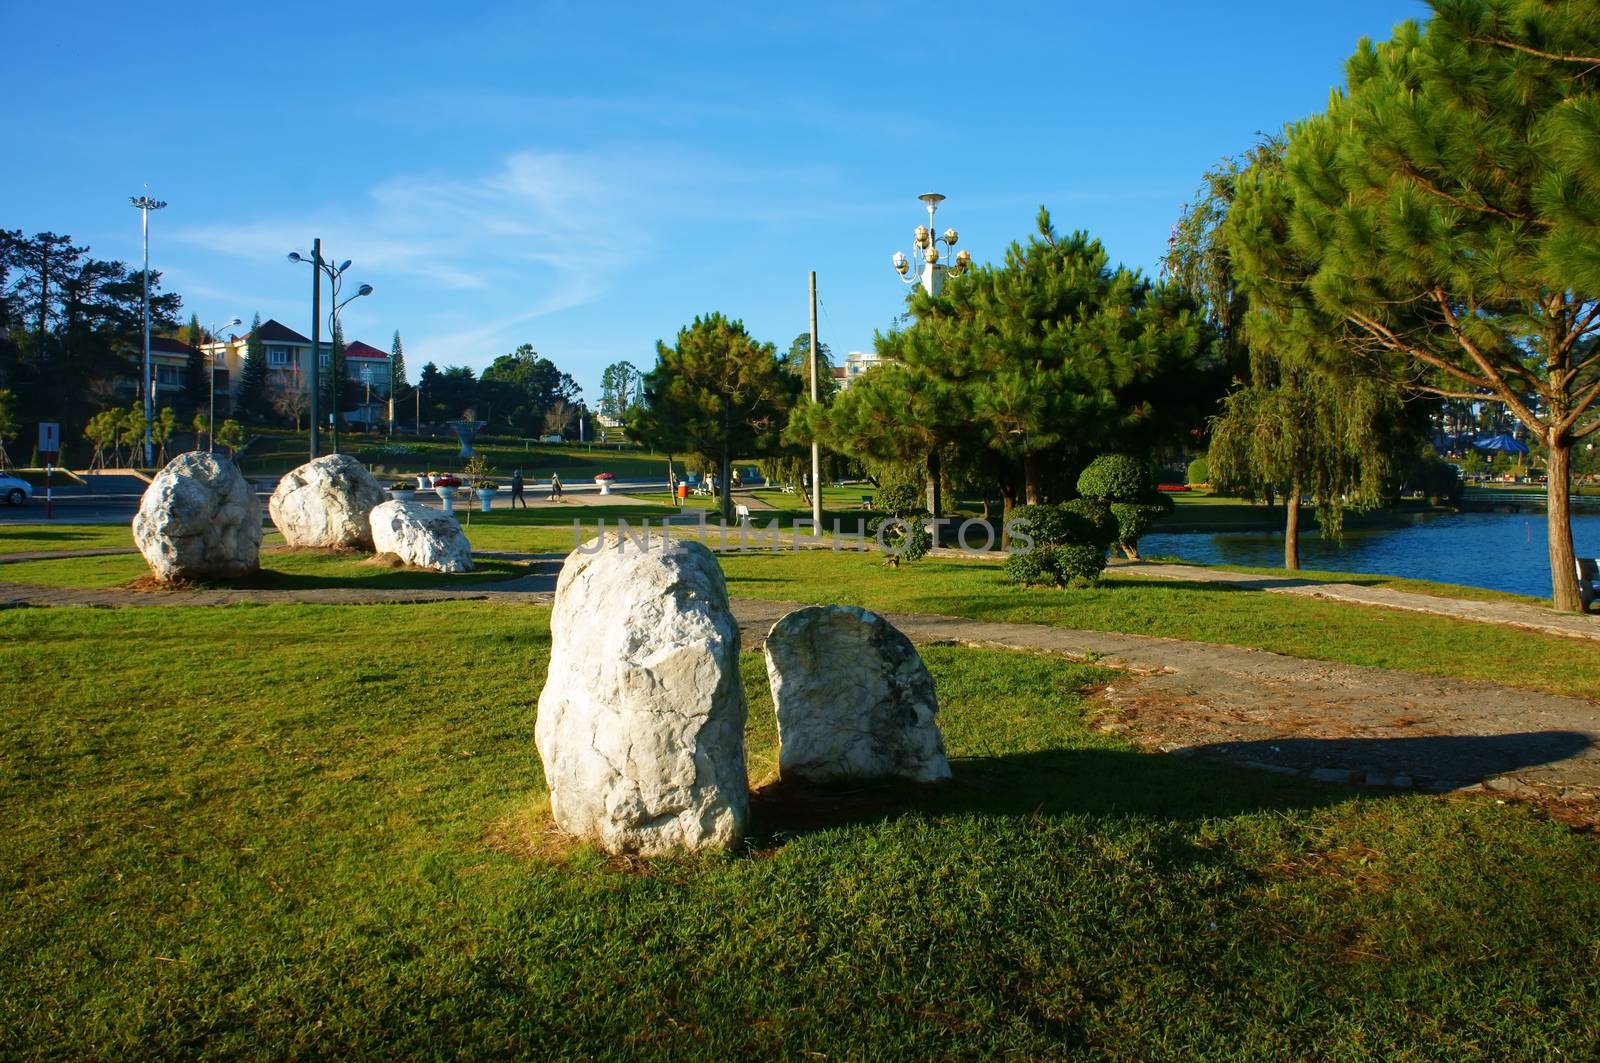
(1500,551)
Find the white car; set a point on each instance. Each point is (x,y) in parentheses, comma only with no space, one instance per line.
(14,490)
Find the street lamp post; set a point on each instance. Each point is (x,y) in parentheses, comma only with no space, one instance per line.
(333,332)
(335,276)
(211,371)
(928,265)
(144,204)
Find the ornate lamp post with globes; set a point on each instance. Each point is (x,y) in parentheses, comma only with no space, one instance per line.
(928,265)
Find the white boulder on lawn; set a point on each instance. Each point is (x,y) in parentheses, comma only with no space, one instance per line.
(641,720)
(199,519)
(326,503)
(420,536)
(853,699)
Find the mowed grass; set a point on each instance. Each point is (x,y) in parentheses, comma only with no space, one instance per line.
(281,569)
(335,845)
(1181,609)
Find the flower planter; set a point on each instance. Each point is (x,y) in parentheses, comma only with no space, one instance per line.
(486,496)
(605,485)
(424,482)
(447,495)
(402,494)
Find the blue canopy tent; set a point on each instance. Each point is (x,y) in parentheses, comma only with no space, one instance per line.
(1502,442)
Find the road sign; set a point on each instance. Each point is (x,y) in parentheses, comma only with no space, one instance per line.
(49,437)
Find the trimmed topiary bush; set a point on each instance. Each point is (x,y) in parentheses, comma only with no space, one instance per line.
(1199,472)
(1125,485)
(1069,544)
(901,502)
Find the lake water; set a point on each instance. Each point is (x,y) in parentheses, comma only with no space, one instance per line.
(1499,551)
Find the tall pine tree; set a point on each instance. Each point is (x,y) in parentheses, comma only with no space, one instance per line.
(1448,204)
(397,365)
(250,398)
(718,393)
(194,372)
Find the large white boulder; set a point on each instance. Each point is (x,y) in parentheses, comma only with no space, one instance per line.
(326,502)
(199,519)
(420,536)
(641,721)
(853,699)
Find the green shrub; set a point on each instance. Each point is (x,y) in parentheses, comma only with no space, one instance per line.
(1077,564)
(1199,472)
(901,500)
(1116,478)
(1124,483)
(1092,522)
(1063,565)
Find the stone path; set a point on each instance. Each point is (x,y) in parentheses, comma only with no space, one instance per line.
(1513,614)
(1321,720)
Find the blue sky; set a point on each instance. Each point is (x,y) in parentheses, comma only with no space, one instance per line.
(588,178)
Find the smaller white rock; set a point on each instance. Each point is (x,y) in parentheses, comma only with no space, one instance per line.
(326,502)
(199,519)
(853,699)
(420,536)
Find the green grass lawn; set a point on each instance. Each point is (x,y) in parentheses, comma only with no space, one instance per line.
(281,569)
(334,845)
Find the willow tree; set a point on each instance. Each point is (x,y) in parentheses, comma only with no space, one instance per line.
(1300,422)
(1448,204)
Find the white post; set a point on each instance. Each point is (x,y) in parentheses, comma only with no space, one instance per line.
(816,449)
(149,376)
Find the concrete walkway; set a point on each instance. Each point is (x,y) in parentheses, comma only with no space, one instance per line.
(1512,614)
(1320,720)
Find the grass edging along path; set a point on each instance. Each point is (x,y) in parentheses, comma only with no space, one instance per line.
(303,847)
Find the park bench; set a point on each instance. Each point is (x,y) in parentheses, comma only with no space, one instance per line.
(866,501)
(788,489)
(742,512)
(1588,581)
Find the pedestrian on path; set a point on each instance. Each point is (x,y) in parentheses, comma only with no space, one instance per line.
(555,487)
(516,489)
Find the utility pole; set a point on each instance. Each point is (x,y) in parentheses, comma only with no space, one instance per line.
(816,449)
(316,335)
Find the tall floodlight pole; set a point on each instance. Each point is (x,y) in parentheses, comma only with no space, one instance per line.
(816,449)
(211,371)
(144,204)
(931,265)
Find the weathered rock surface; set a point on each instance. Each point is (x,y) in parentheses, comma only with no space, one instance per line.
(418,535)
(641,721)
(853,699)
(326,502)
(199,520)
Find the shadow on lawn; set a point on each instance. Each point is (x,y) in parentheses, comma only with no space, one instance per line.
(1158,787)
(1457,759)
(1044,783)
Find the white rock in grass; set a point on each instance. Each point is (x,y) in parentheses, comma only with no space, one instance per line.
(853,699)
(420,536)
(326,502)
(641,721)
(199,519)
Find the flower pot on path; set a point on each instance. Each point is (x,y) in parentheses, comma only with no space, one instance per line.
(402,494)
(447,495)
(486,496)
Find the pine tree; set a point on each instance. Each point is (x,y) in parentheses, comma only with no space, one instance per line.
(195,391)
(397,365)
(719,393)
(334,390)
(1455,183)
(251,397)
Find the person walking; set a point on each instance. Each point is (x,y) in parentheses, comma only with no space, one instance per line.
(555,487)
(516,489)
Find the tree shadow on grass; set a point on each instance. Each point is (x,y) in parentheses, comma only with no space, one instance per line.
(1156,787)
(1449,761)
